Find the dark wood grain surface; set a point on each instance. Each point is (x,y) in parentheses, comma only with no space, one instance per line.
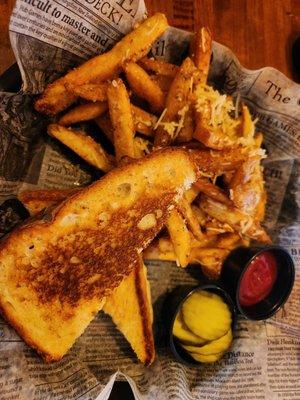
(260,32)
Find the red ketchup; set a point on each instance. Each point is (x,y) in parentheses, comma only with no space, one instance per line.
(258,279)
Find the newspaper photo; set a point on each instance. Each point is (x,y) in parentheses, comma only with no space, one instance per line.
(50,37)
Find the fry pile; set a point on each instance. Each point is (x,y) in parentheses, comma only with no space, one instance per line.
(141,104)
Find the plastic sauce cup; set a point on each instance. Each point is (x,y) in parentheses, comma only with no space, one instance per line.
(172,307)
(258,279)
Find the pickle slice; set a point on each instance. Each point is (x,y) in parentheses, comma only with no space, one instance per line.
(182,333)
(207,358)
(206,315)
(216,346)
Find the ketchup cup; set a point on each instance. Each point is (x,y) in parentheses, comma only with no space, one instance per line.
(259,279)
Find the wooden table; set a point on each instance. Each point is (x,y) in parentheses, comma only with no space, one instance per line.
(260,32)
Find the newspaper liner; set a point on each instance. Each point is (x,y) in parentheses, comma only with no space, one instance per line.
(48,38)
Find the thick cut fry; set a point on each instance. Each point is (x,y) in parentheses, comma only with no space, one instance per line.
(132,47)
(240,222)
(202,49)
(191,219)
(163,81)
(143,86)
(180,237)
(187,131)
(90,91)
(159,67)
(144,122)
(177,104)
(213,191)
(211,260)
(105,125)
(121,118)
(83,145)
(228,240)
(247,189)
(191,194)
(199,214)
(84,112)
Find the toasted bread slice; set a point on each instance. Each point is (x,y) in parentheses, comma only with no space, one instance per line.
(131,310)
(129,305)
(56,272)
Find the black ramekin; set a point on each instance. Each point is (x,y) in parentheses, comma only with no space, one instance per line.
(234,268)
(172,307)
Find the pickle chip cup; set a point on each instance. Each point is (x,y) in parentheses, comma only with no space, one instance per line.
(259,279)
(172,307)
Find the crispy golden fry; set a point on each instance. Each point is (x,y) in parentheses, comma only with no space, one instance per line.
(211,260)
(247,189)
(191,194)
(177,104)
(90,91)
(132,47)
(202,49)
(83,145)
(212,163)
(121,118)
(84,112)
(163,81)
(191,219)
(186,133)
(142,147)
(214,227)
(213,191)
(143,86)
(153,252)
(244,224)
(159,67)
(228,240)
(144,122)
(105,125)
(199,214)
(37,200)
(180,237)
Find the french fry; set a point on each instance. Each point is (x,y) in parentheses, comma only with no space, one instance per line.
(191,194)
(159,67)
(121,118)
(199,214)
(143,86)
(90,91)
(142,147)
(186,133)
(132,47)
(163,81)
(83,112)
(244,224)
(213,191)
(191,219)
(105,125)
(247,188)
(228,240)
(177,104)
(202,49)
(211,260)
(144,122)
(154,252)
(180,237)
(83,145)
